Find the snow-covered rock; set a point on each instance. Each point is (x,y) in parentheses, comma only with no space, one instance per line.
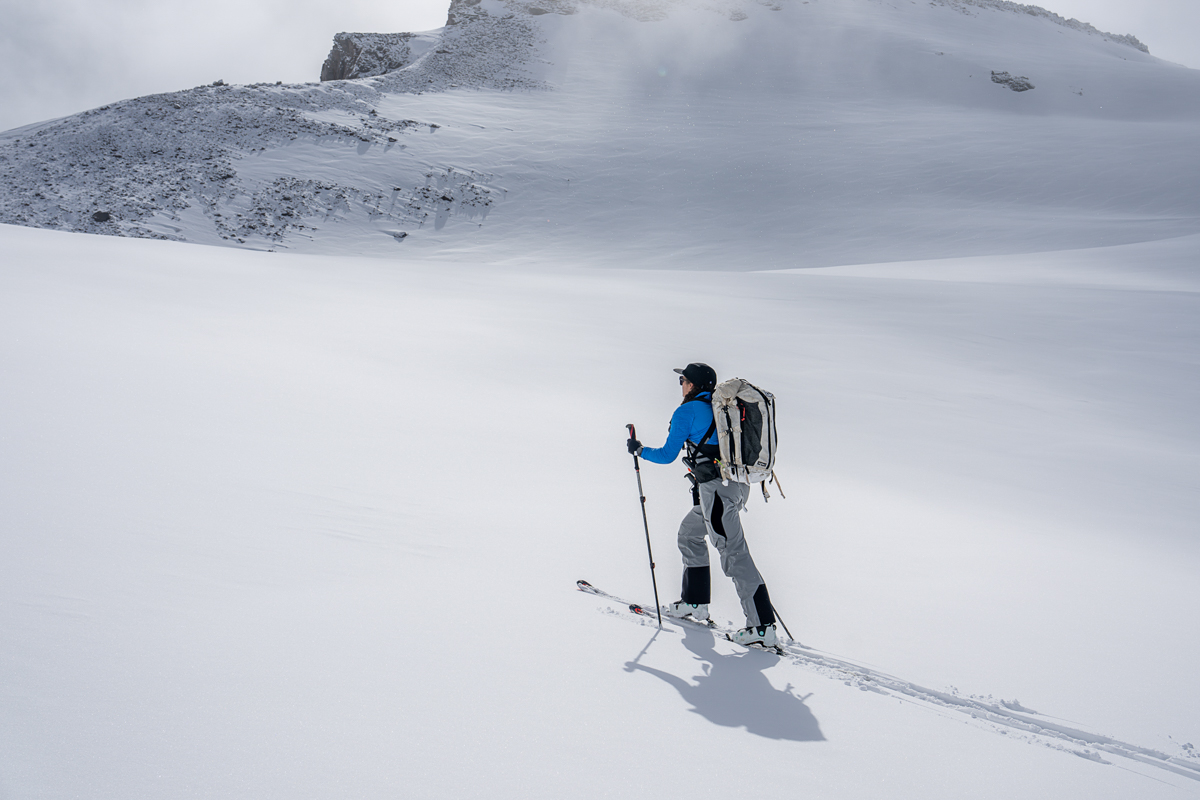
(1018,83)
(166,166)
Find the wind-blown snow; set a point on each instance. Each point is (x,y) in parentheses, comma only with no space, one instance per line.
(758,135)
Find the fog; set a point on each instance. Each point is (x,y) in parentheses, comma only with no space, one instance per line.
(65,56)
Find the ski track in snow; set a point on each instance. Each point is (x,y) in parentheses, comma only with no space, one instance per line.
(1006,717)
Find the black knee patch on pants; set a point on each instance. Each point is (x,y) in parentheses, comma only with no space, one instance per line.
(762,604)
(714,516)
(697,585)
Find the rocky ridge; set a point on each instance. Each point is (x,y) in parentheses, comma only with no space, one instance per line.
(1037,11)
(132,168)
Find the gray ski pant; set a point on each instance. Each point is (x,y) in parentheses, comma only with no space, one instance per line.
(717,517)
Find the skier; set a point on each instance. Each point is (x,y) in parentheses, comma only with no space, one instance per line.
(714,513)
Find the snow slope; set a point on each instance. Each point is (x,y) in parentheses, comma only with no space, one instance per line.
(309,525)
(238,563)
(663,134)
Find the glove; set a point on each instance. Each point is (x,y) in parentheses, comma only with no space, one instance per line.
(634,446)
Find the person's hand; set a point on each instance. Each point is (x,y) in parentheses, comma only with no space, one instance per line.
(634,446)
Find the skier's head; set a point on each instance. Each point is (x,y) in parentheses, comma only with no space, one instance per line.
(701,376)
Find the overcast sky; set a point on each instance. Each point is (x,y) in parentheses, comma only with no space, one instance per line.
(65,56)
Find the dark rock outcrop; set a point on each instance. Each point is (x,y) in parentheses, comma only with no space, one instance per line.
(461,10)
(364,55)
(1014,82)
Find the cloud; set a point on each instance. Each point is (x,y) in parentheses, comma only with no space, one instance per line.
(64,56)
(1168,27)
(60,57)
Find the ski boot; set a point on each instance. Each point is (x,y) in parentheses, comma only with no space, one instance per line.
(762,636)
(680,609)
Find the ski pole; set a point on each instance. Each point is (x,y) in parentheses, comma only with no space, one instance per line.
(781,622)
(642,495)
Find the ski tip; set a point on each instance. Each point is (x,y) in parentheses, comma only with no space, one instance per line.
(583,585)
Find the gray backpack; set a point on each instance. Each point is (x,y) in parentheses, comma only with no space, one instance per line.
(744,416)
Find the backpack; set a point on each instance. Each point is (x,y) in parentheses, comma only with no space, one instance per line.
(744,416)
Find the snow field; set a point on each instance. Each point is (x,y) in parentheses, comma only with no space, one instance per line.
(308,526)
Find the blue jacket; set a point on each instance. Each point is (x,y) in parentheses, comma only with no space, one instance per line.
(689,423)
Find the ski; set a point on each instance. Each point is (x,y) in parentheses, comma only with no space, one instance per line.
(584,586)
(710,625)
(642,611)
(706,624)
(776,649)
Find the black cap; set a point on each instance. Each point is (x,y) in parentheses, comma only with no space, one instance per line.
(702,376)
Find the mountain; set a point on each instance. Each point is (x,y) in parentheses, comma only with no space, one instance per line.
(723,134)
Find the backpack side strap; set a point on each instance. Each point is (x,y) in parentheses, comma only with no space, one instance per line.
(775,480)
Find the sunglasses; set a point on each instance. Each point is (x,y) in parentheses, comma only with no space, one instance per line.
(681,380)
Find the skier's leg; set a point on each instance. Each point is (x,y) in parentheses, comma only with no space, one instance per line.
(724,522)
(696,583)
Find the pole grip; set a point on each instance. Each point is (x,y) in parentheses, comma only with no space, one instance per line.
(636,467)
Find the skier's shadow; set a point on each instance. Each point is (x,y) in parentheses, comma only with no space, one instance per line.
(734,692)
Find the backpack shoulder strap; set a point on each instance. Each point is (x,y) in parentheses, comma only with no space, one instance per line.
(711,428)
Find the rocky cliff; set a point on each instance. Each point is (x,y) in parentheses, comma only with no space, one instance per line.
(365,55)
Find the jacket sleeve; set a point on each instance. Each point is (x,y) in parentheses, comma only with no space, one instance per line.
(681,423)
